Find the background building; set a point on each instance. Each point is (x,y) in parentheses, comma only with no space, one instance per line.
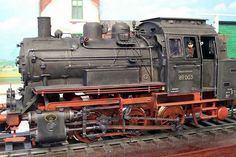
(228,28)
(70,15)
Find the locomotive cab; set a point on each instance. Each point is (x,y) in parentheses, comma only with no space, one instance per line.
(183,69)
(191,48)
(192,68)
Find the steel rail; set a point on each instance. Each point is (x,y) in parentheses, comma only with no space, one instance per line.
(210,128)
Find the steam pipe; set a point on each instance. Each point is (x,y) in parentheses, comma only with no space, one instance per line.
(150,55)
(116,48)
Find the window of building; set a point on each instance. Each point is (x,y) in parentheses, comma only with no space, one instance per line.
(77,9)
(190,47)
(175,48)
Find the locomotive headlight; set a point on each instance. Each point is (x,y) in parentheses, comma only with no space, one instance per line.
(163,88)
(50,117)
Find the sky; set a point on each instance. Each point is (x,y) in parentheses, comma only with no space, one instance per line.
(18,17)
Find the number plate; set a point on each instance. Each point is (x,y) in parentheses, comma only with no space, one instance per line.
(185,77)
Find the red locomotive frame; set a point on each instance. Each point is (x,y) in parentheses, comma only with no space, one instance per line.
(154,110)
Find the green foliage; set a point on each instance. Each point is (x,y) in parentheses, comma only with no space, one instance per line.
(7,62)
(7,66)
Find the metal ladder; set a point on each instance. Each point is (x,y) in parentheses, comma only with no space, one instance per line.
(212,109)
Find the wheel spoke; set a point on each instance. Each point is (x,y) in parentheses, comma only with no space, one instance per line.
(172,112)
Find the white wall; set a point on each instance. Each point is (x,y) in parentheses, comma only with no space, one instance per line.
(60,12)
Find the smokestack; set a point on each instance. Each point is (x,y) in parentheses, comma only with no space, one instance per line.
(44,27)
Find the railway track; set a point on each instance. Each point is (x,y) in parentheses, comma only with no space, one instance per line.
(208,133)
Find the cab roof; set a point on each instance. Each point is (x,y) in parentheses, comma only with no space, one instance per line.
(169,19)
(180,25)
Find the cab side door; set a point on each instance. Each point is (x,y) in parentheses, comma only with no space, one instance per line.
(184,65)
(209,63)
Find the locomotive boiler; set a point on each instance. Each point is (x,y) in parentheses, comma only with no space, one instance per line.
(152,76)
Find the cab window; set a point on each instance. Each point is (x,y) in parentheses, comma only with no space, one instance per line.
(208,47)
(175,48)
(190,47)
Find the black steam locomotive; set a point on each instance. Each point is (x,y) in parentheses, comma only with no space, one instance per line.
(149,78)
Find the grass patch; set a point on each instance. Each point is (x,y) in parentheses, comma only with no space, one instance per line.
(7,74)
(10,80)
(8,77)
